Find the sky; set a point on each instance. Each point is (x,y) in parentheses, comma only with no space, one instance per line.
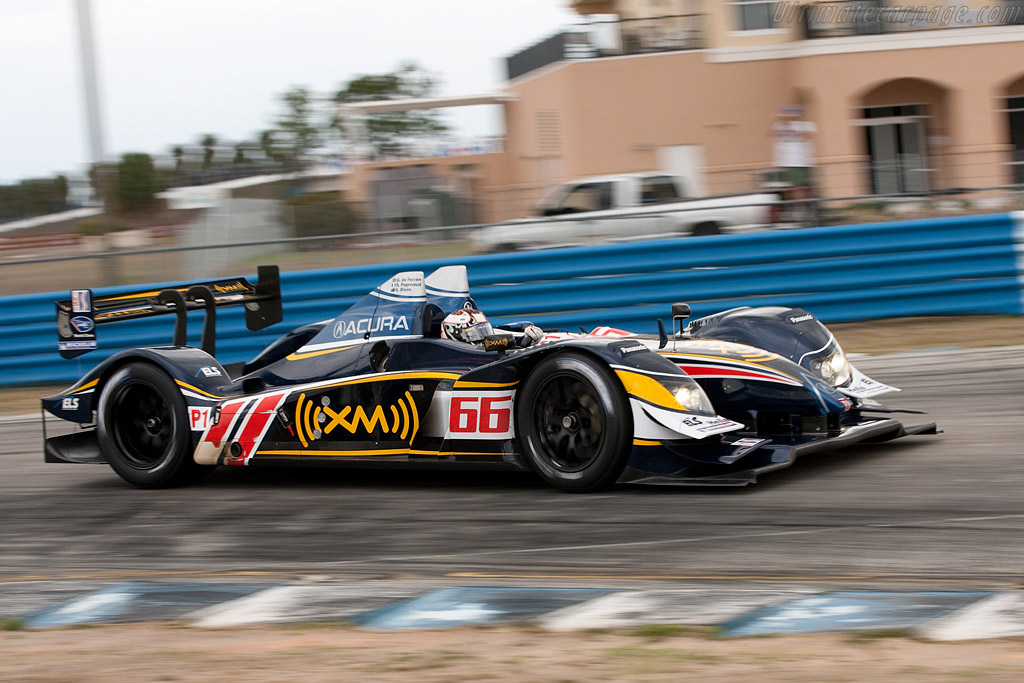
(171,71)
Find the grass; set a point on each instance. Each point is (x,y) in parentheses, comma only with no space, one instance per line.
(12,624)
(877,634)
(659,631)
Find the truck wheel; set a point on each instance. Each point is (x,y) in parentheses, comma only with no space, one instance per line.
(142,429)
(574,423)
(702,229)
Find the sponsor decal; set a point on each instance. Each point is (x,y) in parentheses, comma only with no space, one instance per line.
(64,324)
(199,418)
(800,318)
(81,301)
(403,284)
(496,343)
(70,403)
(82,324)
(209,371)
(67,345)
(626,350)
(846,402)
(316,420)
(704,424)
(748,442)
(480,415)
(227,289)
(76,334)
(344,328)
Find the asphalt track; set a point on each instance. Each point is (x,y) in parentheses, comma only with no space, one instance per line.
(943,510)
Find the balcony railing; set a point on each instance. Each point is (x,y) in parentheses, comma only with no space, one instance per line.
(833,18)
(609,37)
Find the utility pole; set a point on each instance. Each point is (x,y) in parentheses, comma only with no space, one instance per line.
(92,100)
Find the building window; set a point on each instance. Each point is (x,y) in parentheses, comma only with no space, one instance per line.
(1016,112)
(896,144)
(755,15)
(585,197)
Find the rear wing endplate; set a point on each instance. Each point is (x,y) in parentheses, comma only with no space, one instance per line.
(79,316)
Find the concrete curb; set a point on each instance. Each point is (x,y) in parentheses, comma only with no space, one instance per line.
(400,605)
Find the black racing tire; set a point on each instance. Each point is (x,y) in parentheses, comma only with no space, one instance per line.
(574,423)
(143,431)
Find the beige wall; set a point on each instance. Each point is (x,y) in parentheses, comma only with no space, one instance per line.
(964,85)
(611,115)
(614,113)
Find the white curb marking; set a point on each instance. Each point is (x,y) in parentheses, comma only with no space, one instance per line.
(688,606)
(1000,616)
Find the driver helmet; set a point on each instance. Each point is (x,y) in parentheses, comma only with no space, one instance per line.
(466,325)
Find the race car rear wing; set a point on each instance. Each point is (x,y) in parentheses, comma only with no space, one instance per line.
(78,317)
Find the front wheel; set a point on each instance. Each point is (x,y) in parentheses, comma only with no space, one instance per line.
(574,423)
(143,430)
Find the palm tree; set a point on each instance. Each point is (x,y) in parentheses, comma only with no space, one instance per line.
(208,142)
(179,156)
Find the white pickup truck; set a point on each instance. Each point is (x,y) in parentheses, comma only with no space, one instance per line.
(627,207)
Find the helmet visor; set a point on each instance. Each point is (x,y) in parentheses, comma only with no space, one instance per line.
(476,333)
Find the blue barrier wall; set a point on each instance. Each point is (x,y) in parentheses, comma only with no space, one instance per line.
(952,266)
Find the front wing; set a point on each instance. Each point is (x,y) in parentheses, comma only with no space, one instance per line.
(737,461)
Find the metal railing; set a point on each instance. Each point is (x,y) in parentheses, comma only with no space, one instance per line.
(180,253)
(947,266)
(610,37)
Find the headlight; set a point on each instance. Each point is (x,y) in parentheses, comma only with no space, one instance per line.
(834,368)
(692,397)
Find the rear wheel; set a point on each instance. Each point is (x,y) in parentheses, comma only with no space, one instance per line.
(703,229)
(574,423)
(143,429)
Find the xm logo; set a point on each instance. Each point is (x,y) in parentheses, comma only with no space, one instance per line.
(316,421)
(388,323)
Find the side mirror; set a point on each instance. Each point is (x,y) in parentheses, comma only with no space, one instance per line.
(680,312)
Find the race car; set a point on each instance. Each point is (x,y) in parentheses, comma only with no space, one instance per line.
(392,379)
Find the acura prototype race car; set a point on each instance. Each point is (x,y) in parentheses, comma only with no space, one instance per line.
(720,400)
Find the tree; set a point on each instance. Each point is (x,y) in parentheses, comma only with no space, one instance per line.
(298,133)
(208,142)
(136,183)
(267,144)
(179,156)
(388,133)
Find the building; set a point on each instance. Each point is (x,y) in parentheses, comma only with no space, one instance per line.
(905,95)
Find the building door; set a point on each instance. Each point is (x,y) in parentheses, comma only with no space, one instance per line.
(896,144)
(1016,113)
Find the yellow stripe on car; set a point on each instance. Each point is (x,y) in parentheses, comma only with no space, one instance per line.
(311,354)
(648,389)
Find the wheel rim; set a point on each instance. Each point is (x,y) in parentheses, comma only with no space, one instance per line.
(570,422)
(143,425)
